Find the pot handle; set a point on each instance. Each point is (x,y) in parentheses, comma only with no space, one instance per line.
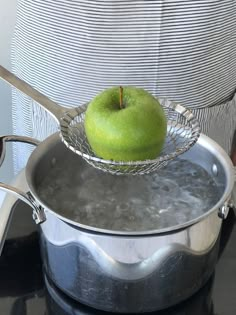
(5,214)
(230,202)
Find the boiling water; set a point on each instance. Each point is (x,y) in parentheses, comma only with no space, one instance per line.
(174,195)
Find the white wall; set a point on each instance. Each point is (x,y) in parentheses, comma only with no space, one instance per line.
(7,22)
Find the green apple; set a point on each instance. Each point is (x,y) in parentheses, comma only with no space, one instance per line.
(125,127)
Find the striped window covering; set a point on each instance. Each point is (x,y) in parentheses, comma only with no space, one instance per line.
(71,49)
(219,122)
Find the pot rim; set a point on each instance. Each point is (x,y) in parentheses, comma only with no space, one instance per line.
(205,141)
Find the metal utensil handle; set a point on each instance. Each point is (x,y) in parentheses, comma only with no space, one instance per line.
(57,111)
(5,214)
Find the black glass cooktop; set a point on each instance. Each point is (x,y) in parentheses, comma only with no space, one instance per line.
(24,290)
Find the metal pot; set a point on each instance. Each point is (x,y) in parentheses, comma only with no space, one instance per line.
(125,272)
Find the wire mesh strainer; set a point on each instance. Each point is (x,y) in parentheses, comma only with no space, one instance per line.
(182,132)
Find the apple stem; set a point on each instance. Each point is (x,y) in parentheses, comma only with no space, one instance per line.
(121,97)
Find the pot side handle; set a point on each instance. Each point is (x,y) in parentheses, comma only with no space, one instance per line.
(6,214)
(230,202)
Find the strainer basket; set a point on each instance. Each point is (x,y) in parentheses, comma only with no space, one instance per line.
(183,131)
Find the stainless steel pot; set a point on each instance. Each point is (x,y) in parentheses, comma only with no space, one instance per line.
(125,271)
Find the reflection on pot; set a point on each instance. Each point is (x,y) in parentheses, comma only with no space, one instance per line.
(199,304)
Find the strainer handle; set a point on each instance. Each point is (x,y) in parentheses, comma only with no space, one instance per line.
(6,213)
(56,110)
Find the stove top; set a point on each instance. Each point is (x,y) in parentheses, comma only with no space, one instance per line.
(25,290)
